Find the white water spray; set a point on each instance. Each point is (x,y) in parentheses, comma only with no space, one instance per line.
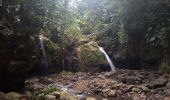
(43,51)
(108,59)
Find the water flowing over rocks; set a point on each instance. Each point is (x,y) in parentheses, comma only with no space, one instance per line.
(119,85)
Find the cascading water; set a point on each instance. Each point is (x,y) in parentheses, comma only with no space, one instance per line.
(43,52)
(108,59)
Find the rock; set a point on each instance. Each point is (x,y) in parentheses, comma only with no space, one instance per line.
(130,87)
(104,99)
(135,89)
(166,98)
(90,57)
(66,96)
(104,95)
(108,74)
(90,98)
(10,96)
(50,97)
(112,93)
(3,96)
(97,91)
(160,82)
(28,94)
(56,94)
(79,92)
(37,86)
(136,97)
(105,90)
(168,85)
(14,95)
(144,88)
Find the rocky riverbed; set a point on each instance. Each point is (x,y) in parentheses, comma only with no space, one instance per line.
(119,85)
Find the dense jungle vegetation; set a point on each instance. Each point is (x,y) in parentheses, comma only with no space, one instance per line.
(44,37)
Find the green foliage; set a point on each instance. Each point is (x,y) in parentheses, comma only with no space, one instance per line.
(41,94)
(53,52)
(71,37)
(91,55)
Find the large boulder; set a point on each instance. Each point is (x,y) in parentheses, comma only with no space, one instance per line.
(90,58)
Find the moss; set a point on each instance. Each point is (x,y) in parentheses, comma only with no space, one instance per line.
(40,95)
(67,96)
(53,52)
(91,53)
(92,57)
(89,56)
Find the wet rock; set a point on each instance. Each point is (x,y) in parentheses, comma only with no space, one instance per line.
(112,93)
(50,97)
(108,74)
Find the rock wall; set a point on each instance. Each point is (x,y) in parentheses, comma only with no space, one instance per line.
(16,60)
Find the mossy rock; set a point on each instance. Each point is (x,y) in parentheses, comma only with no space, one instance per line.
(90,57)
(54,54)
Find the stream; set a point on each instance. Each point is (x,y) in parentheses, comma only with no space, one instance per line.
(119,85)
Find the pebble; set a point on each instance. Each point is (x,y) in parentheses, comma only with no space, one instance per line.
(112,93)
(50,97)
(168,85)
(90,98)
(136,90)
(144,88)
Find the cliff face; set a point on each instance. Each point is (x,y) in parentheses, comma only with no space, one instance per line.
(16,61)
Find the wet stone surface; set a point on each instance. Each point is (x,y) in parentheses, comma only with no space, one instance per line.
(120,85)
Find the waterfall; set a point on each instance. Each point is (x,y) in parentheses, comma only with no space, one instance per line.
(108,59)
(43,52)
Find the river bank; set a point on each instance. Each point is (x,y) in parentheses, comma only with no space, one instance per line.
(119,85)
